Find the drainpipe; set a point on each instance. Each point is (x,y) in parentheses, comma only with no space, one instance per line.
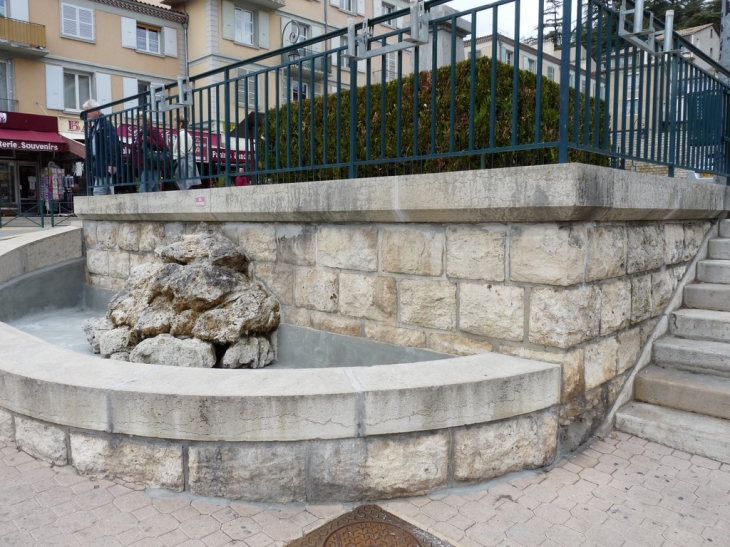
(185,46)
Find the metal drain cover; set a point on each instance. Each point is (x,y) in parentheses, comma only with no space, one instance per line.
(368,526)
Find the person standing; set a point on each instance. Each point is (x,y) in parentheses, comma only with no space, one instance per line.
(105,151)
(183,156)
(147,156)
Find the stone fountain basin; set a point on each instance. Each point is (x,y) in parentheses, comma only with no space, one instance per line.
(316,434)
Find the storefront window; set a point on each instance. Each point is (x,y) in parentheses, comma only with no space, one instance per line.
(76,90)
(7,185)
(5,103)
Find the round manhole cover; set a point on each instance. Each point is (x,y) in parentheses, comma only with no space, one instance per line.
(370,534)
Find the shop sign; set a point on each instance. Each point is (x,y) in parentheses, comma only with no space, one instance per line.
(70,125)
(29,146)
(3,117)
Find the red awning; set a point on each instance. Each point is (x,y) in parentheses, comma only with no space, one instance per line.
(75,147)
(31,141)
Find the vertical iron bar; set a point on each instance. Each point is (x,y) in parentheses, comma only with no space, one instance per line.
(399,107)
(516,77)
(578,70)
(538,74)
(472,79)
(673,116)
(434,77)
(416,99)
(452,98)
(587,94)
(564,84)
(493,84)
(353,117)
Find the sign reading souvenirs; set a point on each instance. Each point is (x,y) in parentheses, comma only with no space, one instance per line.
(29,146)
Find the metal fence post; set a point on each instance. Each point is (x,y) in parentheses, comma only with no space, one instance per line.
(564,84)
(227,122)
(352,171)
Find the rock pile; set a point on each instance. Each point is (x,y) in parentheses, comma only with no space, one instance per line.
(197,307)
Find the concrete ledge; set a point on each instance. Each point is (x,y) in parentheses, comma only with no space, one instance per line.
(568,192)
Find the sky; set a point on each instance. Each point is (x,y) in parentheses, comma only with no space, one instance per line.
(529,17)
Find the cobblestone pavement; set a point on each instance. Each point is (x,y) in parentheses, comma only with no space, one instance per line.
(619,491)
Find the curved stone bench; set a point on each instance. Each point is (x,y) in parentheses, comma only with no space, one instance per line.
(280,435)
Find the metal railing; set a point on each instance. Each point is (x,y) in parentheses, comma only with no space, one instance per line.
(21,32)
(277,120)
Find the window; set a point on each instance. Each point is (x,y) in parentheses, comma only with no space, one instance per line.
(603,92)
(246,88)
(299,90)
(391,67)
(632,107)
(148,39)
(143,87)
(77,22)
(387,8)
(244,25)
(303,32)
(630,80)
(346,5)
(506,56)
(6,103)
(551,73)
(531,65)
(76,90)
(3,9)
(571,81)
(344,61)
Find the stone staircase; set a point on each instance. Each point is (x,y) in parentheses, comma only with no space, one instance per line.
(682,399)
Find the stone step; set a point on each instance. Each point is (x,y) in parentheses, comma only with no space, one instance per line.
(713,271)
(725,228)
(707,296)
(719,249)
(671,388)
(693,355)
(692,433)
(701,324)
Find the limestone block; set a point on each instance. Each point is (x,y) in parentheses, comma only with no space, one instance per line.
(395,335)
(107,235)
(614,388)
(7,430)
(230,230)
(647,327)
(116,340)
(673,243)
(296,244)
(105,282)
(339,473)
(44,441)
(335,323)
(606,252)
(600,362)
(262,472)
(173,230)
(694,234)
(641,306)
(475,253)
(348,248)
(368,296)
(629,349)
(168,350)
(90,233)
(492,310)
(615,305)
(663,285)
(137,259)
(129,235)
(119,264)
(97,262)
(491,450)
(278,278)
(317,290)
(259,241)
(573,384)
(151,235)
(455,344)
(564,317)
(386,474)
(413,251)
(155,464)
(301,317)
(645,247)
(428,303)
(548,253)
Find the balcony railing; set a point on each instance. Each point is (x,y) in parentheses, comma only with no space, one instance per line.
(21,33)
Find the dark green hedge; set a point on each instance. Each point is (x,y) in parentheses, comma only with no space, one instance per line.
(376,114)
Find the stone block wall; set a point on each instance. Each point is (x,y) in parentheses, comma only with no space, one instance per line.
(584,295)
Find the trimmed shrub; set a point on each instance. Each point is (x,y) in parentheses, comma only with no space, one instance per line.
(385,126)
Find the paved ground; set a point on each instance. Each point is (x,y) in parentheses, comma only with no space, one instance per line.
(619,491)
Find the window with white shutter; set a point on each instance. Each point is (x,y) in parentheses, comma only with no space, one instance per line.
(77,22)
(76,90)
(246,88)
(244,26)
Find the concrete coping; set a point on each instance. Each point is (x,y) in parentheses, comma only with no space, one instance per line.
(42,381)
(544,193)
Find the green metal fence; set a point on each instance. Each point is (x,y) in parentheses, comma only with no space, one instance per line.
(371,100)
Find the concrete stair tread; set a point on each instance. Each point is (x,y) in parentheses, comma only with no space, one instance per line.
(719,248)
(700,324)
(701,393)
(686,431)
(701,356)
(708,296)
(714,271)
